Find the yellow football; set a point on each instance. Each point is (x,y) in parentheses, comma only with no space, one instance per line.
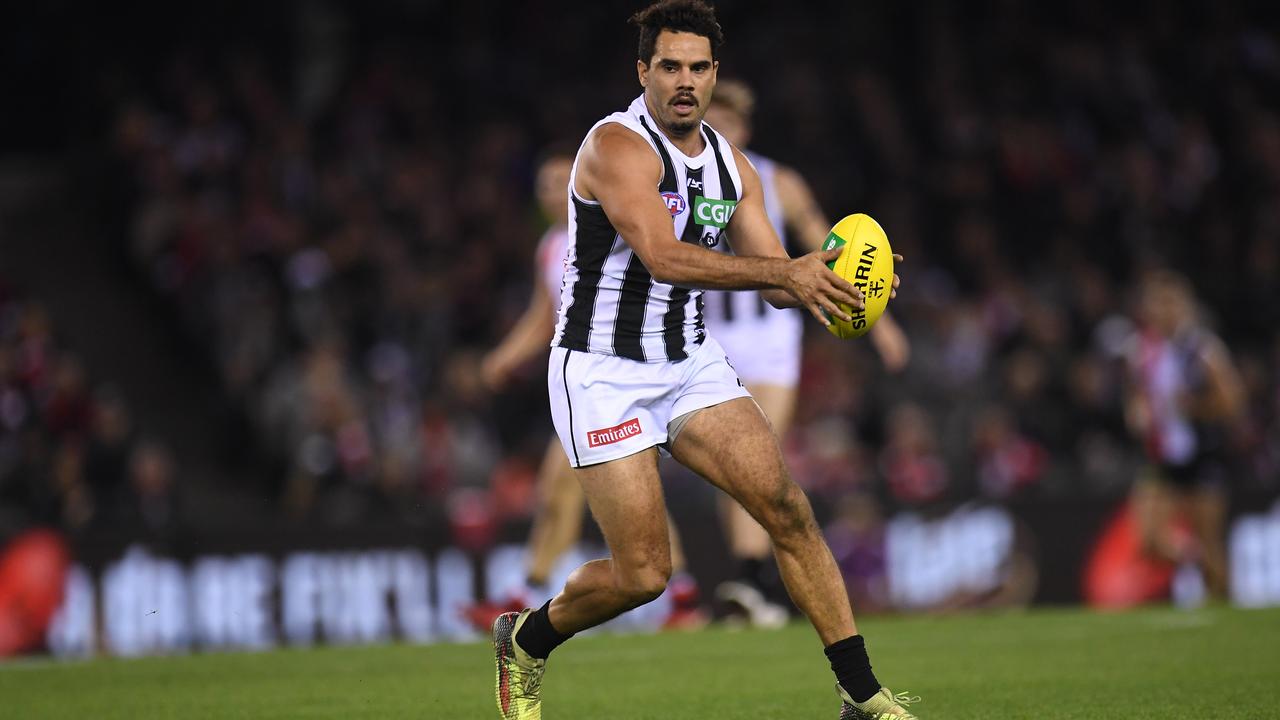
(867,262)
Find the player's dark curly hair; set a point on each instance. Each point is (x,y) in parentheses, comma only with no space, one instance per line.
(693,16)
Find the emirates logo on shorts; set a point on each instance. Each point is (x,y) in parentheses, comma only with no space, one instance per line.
(617,433)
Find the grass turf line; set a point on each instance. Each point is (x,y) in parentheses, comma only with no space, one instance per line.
(1058,664)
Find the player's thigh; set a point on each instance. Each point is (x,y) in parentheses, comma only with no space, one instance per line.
(1207,509)
(557,484)
(1154,505)
(733,447)
(625,497)
(778,403)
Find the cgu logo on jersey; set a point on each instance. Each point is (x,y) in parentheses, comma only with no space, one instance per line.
(715,213)
(675,203)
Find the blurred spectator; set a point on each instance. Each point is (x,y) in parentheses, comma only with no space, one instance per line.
(151,486)
(911,462)
(1005,460)
(106,452)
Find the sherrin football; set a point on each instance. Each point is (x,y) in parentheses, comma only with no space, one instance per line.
(867,262)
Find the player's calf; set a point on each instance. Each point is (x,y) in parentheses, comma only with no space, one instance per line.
(788,517)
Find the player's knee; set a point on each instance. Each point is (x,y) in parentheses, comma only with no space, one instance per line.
(1150,544)
(789,518)
(650,587)
(1148,538)
(644,584)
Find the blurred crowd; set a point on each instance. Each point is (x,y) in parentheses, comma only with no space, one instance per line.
(70,452)
(343,235)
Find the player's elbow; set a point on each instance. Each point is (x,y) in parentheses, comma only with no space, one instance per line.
(666,274)
(1232,405)
(662,265)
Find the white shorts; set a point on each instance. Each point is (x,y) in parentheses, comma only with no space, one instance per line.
(763,355)
(606,407)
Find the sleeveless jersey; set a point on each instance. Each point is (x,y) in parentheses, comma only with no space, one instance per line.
(609,303)
(741,320)
(551,261)
(1166,369)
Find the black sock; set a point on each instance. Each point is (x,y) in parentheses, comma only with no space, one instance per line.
(537,637)
(852,667)
(750,571)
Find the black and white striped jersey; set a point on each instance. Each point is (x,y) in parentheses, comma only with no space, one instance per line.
(609,303)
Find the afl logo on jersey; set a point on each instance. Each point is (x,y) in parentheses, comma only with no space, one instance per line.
(675,203)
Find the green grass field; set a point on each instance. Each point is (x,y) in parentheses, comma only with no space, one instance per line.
(1157,664)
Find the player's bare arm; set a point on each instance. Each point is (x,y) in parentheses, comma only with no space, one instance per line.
(619,170)
(1223,395)
(527,338)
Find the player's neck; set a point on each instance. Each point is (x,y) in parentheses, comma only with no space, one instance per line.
(690,143)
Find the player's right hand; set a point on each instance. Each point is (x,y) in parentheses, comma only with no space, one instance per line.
(819,289)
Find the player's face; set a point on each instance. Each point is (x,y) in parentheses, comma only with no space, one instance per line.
(552,188)
(678,80)
(1163,308)
(731,125)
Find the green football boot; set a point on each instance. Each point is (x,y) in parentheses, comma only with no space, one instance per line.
(884,705)
(519,680)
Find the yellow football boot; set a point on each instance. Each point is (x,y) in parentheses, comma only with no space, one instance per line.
(884,705)
(519,675)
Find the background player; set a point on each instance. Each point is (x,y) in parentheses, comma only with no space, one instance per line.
(764,343)
(557,520)
(633,369)
(1184,394)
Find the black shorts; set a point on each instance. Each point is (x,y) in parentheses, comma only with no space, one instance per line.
(1203,471)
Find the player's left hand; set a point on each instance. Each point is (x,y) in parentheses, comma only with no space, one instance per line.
(893,292)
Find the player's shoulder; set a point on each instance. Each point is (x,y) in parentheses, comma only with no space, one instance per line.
(774,168)
(612,147)
(1206,345)
(612,136)
(614,142)
(758,160)
(787,180)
